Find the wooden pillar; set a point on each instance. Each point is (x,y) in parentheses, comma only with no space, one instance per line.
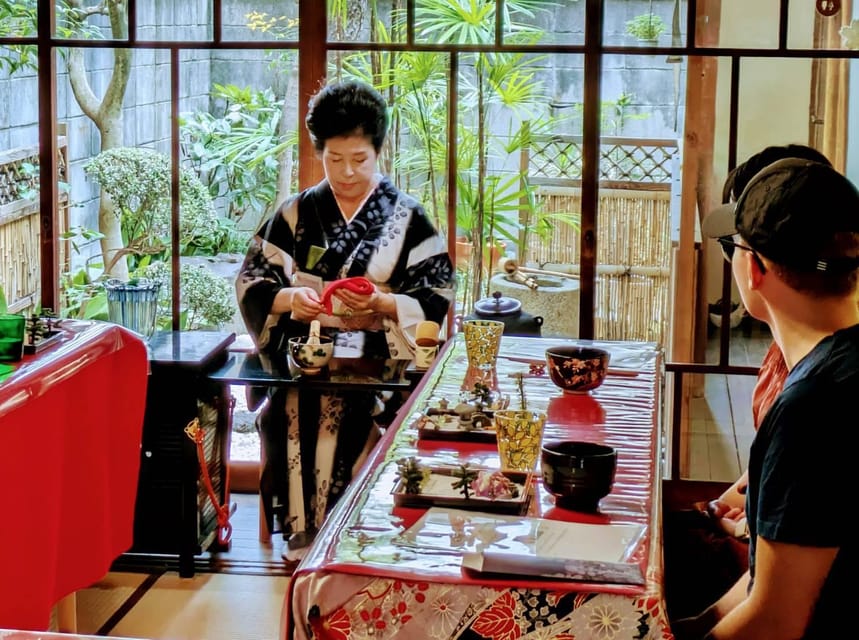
(313,36)
(695,200)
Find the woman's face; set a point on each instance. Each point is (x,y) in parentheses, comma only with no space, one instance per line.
(350,165)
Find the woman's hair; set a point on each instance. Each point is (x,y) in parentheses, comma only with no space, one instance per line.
(347,108)
(740,175)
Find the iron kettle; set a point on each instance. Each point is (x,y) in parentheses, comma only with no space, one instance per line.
(509,311)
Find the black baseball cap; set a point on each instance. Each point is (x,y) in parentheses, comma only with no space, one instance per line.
(719,223)
(791,210)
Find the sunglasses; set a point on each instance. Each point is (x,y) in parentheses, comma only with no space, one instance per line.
(728,247)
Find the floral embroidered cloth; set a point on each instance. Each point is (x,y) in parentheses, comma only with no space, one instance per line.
(359,581)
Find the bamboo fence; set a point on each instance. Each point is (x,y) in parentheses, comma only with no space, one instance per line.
(20,256)
(634,243)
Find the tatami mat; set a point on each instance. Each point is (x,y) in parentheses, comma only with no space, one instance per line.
(98,603)
(207,607)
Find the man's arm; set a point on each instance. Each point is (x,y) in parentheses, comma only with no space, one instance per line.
(788,581)
(697,627)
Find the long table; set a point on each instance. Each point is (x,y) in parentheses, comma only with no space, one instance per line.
(70,429)
(357,581)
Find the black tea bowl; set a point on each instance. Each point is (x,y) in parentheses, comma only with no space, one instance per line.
(576,369)
(579,474)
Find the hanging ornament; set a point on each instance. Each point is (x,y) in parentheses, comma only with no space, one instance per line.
(828,7)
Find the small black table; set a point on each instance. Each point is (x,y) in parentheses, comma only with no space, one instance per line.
(344,373)
(250,369)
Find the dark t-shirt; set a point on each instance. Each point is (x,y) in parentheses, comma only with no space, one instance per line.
(803,470)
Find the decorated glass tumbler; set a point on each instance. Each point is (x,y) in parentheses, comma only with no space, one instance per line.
(11,337)
(482,341)
(133,304)
(520,436)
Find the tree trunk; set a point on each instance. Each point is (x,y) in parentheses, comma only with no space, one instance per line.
(106,114)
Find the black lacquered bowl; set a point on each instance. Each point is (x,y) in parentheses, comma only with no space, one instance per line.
(576,369)
(579,474)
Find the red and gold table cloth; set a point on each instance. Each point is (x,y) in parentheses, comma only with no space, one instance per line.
(71,420)
(357,583)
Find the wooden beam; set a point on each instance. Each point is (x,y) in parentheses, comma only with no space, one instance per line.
(312,56)
(48,173)
(695,200)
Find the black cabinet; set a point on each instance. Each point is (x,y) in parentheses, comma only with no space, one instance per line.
(173,513)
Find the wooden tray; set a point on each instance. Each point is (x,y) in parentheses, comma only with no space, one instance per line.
(437,424)
(438,492)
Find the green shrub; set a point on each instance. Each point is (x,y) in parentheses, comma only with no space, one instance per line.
(207,299)
(647,26)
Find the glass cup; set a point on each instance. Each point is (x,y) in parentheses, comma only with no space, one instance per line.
(482,341)
(133,304)
(520,436)
(11,337)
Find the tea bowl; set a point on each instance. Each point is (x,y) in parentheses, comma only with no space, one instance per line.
(577,369)
(311,357)
(579,474)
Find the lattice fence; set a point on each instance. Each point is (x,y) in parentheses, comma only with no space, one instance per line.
(634,228)
(19,223)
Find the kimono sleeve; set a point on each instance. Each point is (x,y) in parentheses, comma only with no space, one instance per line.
(267,268)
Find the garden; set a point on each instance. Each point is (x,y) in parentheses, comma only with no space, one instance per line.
(238,143)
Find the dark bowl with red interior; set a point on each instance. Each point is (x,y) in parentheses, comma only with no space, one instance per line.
(577,369)
(579,474)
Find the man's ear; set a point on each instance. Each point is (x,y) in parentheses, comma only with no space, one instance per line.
(754,271)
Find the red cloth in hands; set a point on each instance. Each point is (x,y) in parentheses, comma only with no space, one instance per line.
(358,284)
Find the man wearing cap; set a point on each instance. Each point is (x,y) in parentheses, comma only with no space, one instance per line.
(706,546)
(795,258)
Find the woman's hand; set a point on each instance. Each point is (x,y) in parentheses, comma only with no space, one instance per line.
(358,302)
(305,304)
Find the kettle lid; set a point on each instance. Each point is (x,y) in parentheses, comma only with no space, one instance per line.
(497,306)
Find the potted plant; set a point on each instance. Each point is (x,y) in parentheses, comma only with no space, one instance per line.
(646,27)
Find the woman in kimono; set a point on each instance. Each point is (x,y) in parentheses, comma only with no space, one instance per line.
(355,222)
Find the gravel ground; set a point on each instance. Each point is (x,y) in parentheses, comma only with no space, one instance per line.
(244,442)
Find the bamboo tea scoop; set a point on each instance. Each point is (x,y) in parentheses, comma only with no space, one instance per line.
(313,336)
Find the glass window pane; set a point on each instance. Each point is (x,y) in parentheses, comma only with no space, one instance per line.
(275,20)
(455,21)
(106,21)
(741,24)
(535,22)
(239,137)
(383,21)
(189,20)
(533,180)
(19,181)
(640,123)
(239,154)
(17,20)
(644,23)
(105,149)
(809,29)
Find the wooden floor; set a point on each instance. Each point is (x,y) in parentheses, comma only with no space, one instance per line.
(721,428)
(246,554)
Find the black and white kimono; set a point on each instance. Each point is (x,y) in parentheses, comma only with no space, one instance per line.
(313,444)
